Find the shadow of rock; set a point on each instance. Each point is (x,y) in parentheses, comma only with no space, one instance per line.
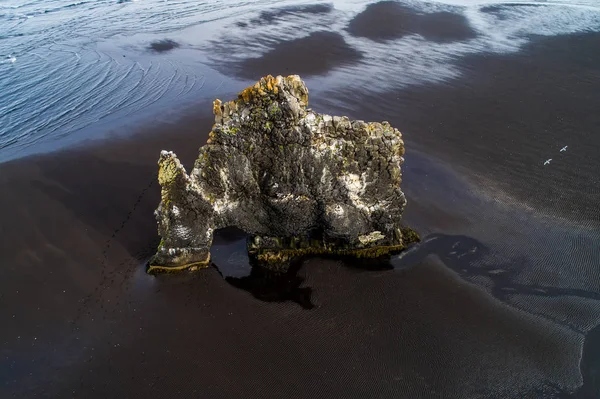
(229,256)
(270,286)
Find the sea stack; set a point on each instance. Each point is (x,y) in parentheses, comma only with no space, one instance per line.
(298,182)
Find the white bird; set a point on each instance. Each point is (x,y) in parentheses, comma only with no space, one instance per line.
(564,149)
(547,161)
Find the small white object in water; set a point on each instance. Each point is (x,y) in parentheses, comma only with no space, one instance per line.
(564,149)
(11,59)
(547,161)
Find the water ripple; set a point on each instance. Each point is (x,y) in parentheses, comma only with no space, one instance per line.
(63,65)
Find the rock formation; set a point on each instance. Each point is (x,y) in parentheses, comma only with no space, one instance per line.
(297,181)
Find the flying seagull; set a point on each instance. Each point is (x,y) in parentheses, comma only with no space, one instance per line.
(564,149)
(547,161)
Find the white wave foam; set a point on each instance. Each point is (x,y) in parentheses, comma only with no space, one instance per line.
(501,27)
(10,59)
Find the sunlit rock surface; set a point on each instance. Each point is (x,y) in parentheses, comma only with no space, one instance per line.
(297,181)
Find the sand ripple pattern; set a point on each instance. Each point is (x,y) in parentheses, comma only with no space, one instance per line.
(63,65)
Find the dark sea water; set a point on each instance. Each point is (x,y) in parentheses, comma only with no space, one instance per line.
(500,300)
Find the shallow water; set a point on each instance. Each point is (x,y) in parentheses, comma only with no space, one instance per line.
(71,71)
(69,65)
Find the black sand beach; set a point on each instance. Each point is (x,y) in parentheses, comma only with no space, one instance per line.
(501,300)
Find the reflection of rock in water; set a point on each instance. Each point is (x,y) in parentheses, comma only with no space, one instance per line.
(273,286)
(230,257)
(277,286)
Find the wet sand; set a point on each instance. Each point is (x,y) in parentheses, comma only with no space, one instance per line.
(496,302)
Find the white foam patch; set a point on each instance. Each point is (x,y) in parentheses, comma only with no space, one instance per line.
(501,27)
(9,60)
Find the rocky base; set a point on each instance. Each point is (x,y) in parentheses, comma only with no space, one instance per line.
(276,253)
(171,265)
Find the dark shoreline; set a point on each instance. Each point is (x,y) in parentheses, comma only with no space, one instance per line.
(459,316)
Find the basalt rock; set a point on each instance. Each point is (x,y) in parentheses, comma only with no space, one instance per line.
(297,181)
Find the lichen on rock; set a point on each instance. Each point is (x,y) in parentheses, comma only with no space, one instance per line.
(297,181)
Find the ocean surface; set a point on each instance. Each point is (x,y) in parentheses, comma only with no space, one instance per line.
(498,105)
(69,69)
